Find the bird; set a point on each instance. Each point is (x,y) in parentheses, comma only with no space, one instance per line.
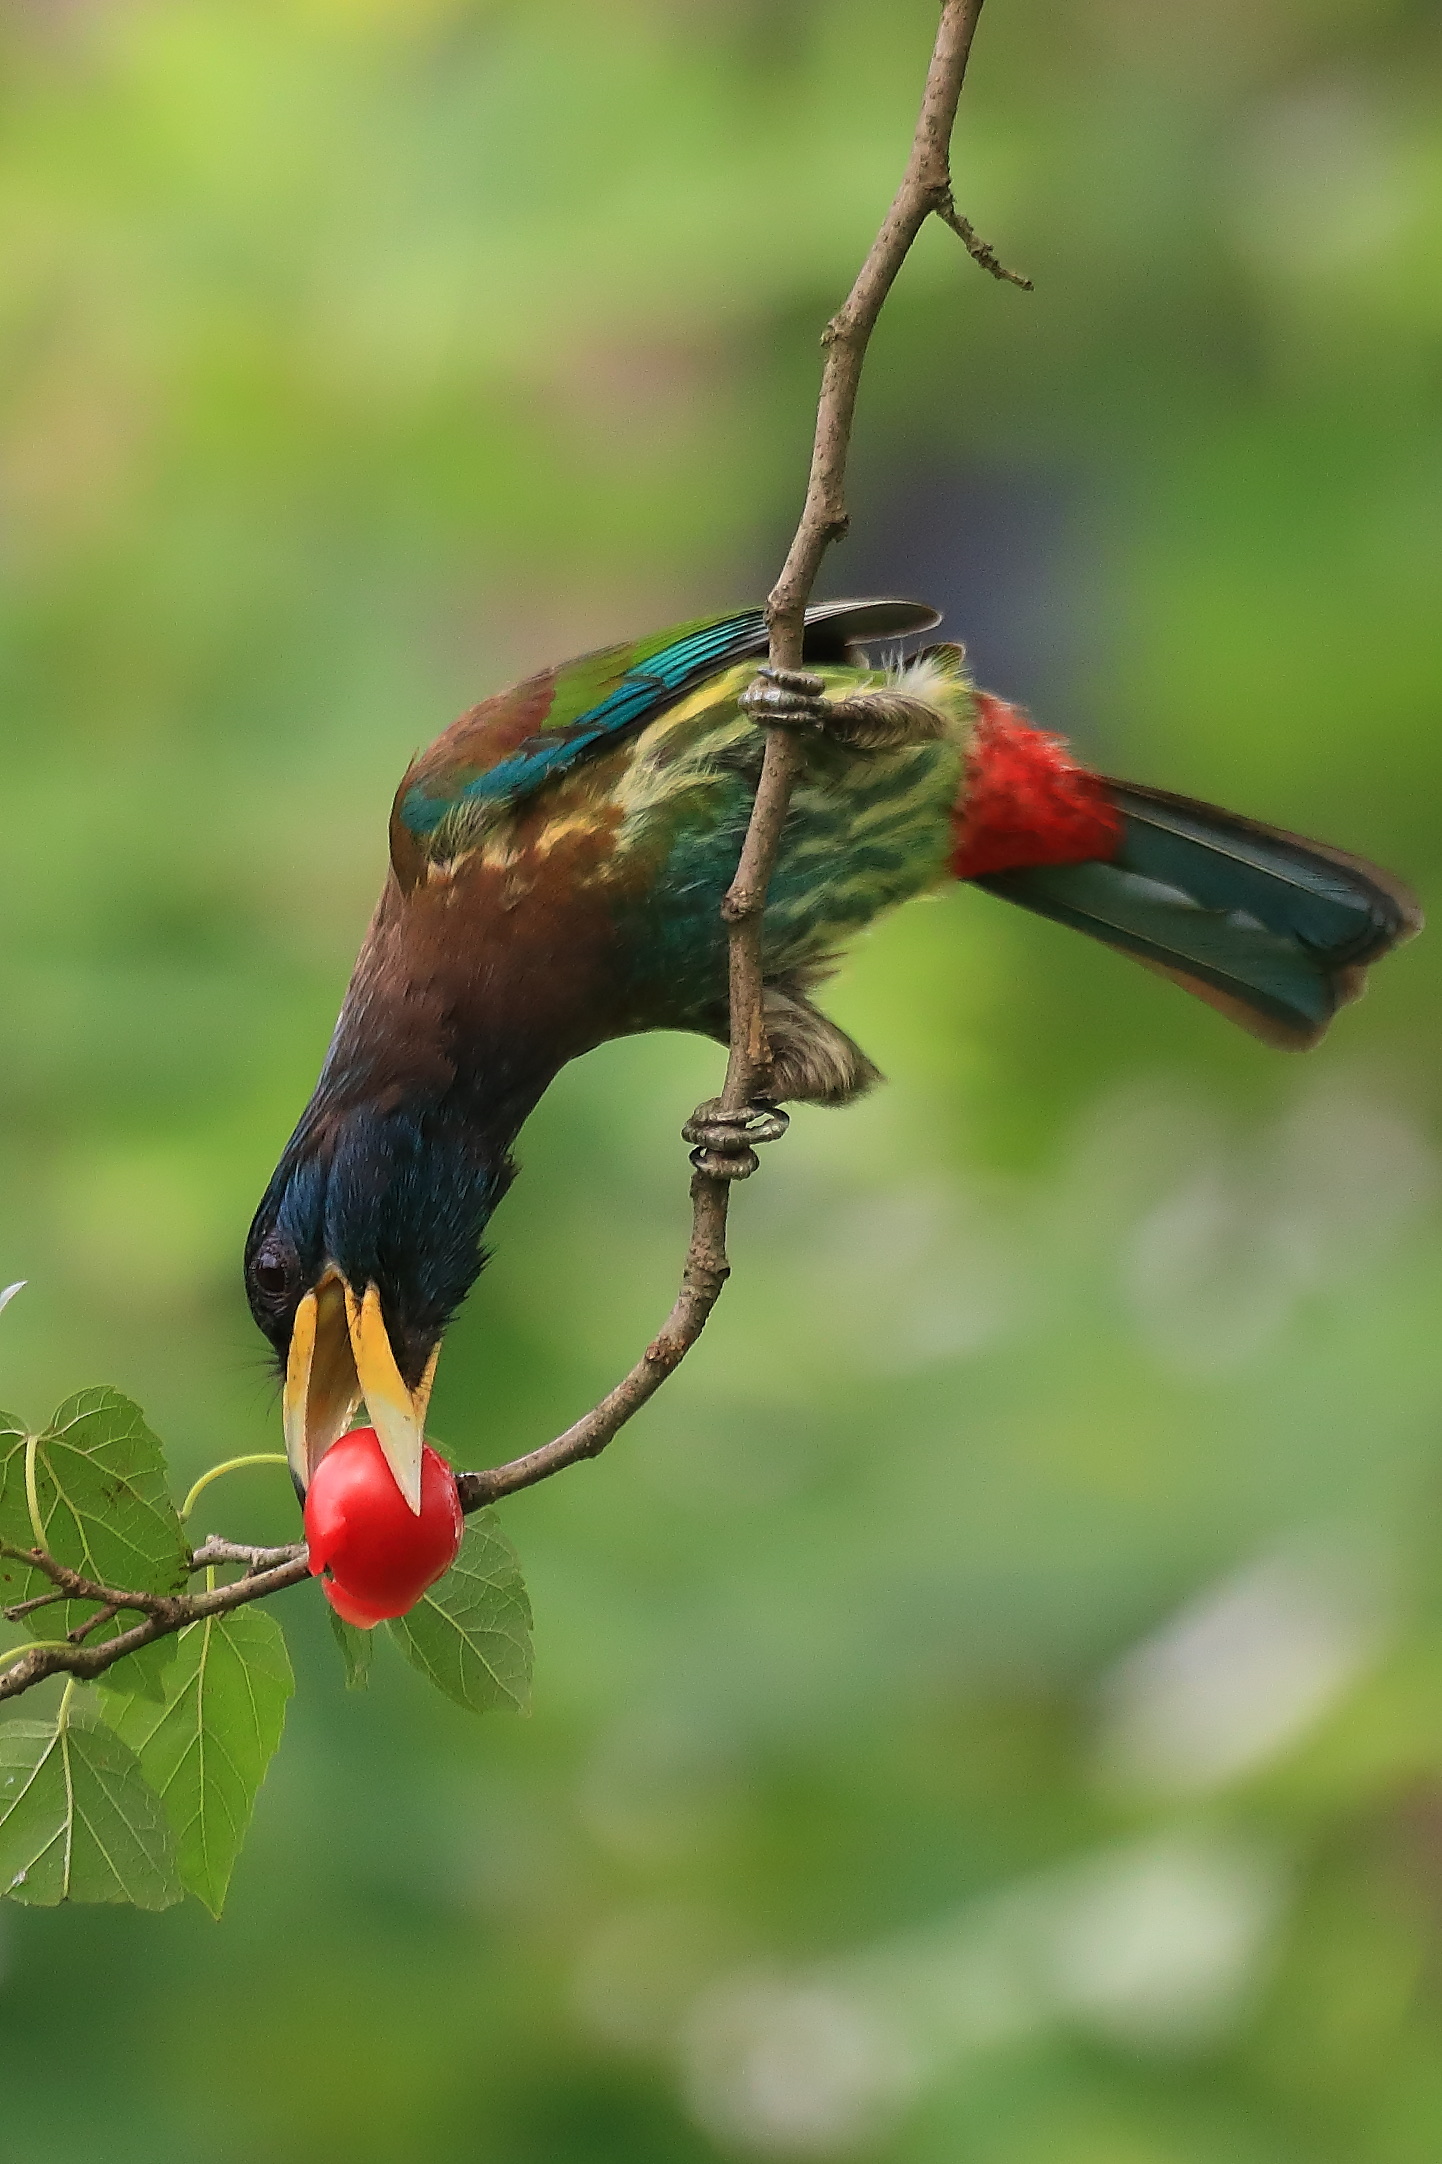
(558,859)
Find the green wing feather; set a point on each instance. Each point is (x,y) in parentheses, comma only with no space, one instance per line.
(505,749)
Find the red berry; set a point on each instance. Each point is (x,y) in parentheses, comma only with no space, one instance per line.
(379,1555)
(351,1611)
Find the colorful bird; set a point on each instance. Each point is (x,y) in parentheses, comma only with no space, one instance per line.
(558,859)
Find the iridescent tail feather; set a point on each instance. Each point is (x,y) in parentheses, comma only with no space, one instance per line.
(1274,931)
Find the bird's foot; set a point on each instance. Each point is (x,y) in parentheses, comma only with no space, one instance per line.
(787,698)
(868,721)
(725,1143)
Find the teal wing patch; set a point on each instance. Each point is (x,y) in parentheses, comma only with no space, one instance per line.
(652,681)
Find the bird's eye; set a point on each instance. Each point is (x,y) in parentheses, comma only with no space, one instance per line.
(273,1273)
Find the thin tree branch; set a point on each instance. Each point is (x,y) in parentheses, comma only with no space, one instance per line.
(705,1273)
(925,186)
(163,1614)
(725,1130)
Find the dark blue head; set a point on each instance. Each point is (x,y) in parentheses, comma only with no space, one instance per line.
(366,1242)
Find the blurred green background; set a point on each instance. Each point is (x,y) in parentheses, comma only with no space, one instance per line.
(990,1708)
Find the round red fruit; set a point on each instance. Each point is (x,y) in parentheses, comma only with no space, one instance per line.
(379,1556)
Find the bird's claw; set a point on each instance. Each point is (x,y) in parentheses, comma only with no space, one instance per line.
(725,1143)
(787,699)
(882,719)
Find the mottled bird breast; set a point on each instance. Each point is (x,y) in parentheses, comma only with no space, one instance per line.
(591,908)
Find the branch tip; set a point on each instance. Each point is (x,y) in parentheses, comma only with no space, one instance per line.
(980,251)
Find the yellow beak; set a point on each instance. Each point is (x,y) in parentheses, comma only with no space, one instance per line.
(339,1354)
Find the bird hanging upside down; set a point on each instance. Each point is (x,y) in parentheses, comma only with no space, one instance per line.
(558,859)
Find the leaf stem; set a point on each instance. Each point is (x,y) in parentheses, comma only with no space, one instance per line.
(32,1491)
(10,1654)
(231,1465)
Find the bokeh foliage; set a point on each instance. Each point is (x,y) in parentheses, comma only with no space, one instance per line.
(357,354)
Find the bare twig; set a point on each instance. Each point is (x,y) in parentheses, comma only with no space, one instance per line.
(232,1551)
(24,1608)
(725,1129)
(980,251)
(92,1623)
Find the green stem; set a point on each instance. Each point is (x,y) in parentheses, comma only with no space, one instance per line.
(32,1492)
(63,1715)
(231,1465)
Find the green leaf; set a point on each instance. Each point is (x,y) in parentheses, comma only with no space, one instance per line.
(104,1503)
(105,1511)
(207,1748)
(15,1524)
(471,1634)
(356,1649)
(145,1671)
(78,1820)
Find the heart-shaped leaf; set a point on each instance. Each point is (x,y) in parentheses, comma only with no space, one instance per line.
(78,1820)
(206,1748)
(471,1634)
(104,1508)
(355,1651)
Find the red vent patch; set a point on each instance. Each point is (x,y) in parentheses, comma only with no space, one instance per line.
(1027,801)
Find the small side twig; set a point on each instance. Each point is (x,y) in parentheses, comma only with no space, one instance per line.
(105,1614)
(980,251)
(216,1551)
(23,1608)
